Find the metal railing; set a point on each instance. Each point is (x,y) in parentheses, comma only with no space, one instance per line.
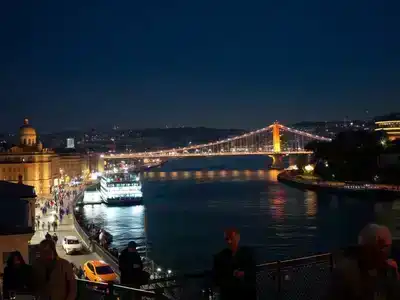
(305,278)
(98,291)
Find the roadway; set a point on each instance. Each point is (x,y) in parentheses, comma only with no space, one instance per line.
(65,228)
(200,154)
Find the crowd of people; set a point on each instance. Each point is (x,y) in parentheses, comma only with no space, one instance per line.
(58,208)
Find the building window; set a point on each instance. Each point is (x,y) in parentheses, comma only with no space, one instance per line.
(9,170)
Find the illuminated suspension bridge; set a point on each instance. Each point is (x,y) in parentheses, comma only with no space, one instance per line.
(275,140)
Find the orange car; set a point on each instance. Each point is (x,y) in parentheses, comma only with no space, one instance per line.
(99,271)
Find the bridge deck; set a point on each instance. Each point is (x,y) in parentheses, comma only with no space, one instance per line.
(166,155)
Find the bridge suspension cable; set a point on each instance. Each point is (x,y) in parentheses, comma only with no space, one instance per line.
(266,140)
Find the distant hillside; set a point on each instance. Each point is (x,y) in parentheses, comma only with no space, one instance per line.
(173,137)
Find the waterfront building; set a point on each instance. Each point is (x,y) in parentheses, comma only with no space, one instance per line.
(390,124)
(17,209)
(72,165)
(39,167)
(96,163)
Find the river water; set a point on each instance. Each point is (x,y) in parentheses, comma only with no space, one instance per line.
(189,202)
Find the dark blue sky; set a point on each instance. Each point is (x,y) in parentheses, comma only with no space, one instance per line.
(82,64)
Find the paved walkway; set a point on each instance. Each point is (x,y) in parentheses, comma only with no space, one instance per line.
(65,228)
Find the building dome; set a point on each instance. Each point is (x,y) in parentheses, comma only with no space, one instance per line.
(27,134)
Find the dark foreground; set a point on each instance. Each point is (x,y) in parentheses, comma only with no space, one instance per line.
(304,278)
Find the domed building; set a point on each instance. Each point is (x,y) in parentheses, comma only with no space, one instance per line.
(27,134)
(31,163)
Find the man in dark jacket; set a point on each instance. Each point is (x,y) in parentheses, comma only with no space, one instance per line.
(235,270)
(131,266)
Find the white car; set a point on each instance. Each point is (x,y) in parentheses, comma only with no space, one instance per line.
(71,244)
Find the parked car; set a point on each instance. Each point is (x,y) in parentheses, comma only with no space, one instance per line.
(71,244)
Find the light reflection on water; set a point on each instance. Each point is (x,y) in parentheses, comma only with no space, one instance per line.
(311,203)
(242,175)
(124,223)
(187,211)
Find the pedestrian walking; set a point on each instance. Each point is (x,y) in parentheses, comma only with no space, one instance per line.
(55,238)
(48,236)
(54,226)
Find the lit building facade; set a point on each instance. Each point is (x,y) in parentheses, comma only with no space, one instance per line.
(72,166)
(390,124)
(96,163)
(37,166)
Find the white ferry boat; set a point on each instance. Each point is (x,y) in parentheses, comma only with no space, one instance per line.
(121,189)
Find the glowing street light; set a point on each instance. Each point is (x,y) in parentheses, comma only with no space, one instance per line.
(159,270)
(309,168)
(169,271)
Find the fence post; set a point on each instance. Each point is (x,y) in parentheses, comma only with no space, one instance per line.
(331,264)
(279,283)
(110,294)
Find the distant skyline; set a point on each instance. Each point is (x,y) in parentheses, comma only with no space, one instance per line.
(104,128)
(222,64)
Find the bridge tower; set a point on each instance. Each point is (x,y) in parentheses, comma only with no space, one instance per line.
(277,162)
(276,138)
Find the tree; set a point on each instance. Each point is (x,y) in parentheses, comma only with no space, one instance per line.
(350,156)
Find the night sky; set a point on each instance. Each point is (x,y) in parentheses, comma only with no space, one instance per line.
(217,63)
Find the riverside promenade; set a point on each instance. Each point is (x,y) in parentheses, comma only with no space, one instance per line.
(300,181)
(65,228)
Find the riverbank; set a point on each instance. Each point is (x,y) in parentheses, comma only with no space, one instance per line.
(293,178)
(105,254)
